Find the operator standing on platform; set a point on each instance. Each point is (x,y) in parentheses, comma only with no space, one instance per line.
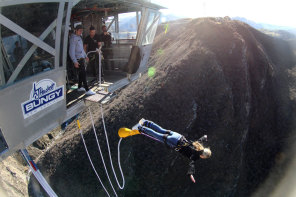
(107,48)
(79,58)
(91,43)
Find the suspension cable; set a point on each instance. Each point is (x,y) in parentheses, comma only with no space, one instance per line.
(99,147)
(123,180)
(101,154)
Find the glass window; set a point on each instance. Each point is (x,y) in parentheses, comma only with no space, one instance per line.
(128,25)
(108,21)
(40,61)
(18,61)
(34,18)
(14,47)
(150,28)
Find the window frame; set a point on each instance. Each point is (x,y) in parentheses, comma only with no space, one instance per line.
(60,54)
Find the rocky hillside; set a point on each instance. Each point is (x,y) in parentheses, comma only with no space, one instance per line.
(212,76)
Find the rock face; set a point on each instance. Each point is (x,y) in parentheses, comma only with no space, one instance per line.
(213,76)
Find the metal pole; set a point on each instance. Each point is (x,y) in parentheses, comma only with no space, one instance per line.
(110,24)
(142,27)
(66,35)
(152,24)
(58,34)
(137,14)
(37,173)
(2,77)
(100,67)
(116,28)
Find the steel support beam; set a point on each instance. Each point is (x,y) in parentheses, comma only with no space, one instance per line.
(37,173)
(2,76)
(66,33)
(142,27)
(117,28)
(137,16)
(154,21)
(110,23)
(18,2)
(58,34)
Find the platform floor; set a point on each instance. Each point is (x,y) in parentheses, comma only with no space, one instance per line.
(110,79)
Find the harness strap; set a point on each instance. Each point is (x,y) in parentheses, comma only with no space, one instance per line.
(168,132)
(182,143)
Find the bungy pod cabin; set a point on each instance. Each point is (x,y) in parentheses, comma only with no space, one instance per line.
(38,85)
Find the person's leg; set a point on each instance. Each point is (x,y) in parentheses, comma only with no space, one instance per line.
(83,74)
(79,77)
(171,140)
(151,132)
(154,126)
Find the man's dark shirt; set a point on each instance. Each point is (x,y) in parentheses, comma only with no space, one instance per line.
(92,43)
(106,39)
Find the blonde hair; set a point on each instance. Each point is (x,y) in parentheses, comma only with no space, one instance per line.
(206,152)
(198,146)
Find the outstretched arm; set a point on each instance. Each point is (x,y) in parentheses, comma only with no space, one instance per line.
(192,178)
(191,171)
(203,139)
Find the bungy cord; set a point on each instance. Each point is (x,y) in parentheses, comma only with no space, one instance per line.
(118,148)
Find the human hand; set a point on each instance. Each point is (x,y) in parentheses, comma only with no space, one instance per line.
(87,59)
(192,178)
(76,65)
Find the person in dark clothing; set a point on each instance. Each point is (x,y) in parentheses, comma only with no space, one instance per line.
(91,43)
(192,150)
(106,49)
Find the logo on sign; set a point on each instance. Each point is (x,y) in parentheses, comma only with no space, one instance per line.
(44,94)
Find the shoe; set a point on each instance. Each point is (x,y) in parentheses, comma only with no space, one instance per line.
(90,92)
(141,122)
(136,127)
(81,89)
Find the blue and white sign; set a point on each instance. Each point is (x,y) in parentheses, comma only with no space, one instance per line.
(44,94)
